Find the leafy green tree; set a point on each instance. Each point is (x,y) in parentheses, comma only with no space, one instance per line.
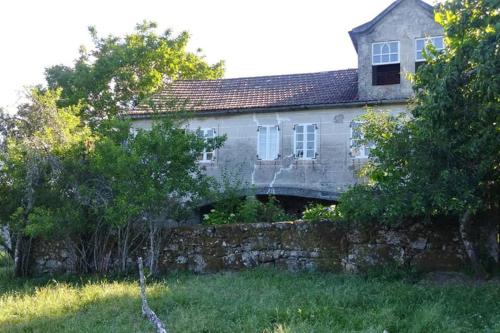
(119,73)
(444,160)
(30,164)
(62,181)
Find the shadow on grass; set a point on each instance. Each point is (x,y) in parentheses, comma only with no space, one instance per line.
(262,300)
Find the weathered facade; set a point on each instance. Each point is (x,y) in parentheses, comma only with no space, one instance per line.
(295,134)
(324,177)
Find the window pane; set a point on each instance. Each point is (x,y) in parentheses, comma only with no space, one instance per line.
(300,145)
(310,153)
(262,142)
(419,55)
(273,143)
(394,47)
(210,156)
(385,58)
(310,128)
(310,145)
(376,59)
(394,57)
(385,49)
(209,133)
(310,136)
(299,128)
(300,137)
(419,45)
(376,48)
(438,43)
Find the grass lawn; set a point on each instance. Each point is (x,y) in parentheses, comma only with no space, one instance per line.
(250,301)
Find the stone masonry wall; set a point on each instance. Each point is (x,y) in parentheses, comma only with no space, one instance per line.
(295,246)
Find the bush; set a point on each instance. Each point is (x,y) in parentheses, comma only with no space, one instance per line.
(249,210)
(319,212)
(218,217)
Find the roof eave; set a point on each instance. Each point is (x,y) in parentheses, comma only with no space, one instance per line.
(208,113)
(354,39)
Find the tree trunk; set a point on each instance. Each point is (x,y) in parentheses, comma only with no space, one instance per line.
(152,250)
(22,256)
(466,223)
(146,310)
(491,235)
(6,242)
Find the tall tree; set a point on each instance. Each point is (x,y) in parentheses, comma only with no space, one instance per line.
(34,141)
(61,180)
(120,72)
(445,159)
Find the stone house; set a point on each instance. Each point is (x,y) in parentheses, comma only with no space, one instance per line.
(294,135)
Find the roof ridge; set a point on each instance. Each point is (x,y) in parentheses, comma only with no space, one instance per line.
(266,76)
(368,25)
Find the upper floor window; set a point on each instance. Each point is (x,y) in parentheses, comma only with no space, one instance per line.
(385,63)
(268,142)
(305,142)
(359,150)
(207,134)
(385,53)
(421,43)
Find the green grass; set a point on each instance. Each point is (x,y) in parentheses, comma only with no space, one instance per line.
(250,301)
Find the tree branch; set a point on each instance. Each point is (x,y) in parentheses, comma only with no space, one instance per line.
(146,310)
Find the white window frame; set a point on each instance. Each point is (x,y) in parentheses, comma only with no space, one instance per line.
(133,131)
(304,141)
(362,149)
(427,41)
(390,53)
(205,153)
(266,155)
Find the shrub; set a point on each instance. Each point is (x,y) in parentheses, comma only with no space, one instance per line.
(249,210)
(272,212)
(319,212)
(218,217)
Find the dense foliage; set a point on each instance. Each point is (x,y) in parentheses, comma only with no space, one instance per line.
(319,212)
(60,180)
(121,72)
(247,210)
(444,159)
(72,170)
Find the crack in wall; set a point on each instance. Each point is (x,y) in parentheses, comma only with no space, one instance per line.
(256,121)
(279,121)
(277,173)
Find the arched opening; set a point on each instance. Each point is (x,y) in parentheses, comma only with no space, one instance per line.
(293,201)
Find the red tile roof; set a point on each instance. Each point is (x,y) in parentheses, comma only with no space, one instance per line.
(295,90)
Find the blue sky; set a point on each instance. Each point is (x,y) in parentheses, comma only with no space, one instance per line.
(257,37)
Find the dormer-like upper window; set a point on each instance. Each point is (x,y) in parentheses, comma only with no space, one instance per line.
(385,53)
(421,43)
(385,63)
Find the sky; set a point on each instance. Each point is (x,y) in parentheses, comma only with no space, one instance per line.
(254,37)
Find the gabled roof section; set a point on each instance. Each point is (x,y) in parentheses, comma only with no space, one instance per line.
(264,92)
(368,26)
